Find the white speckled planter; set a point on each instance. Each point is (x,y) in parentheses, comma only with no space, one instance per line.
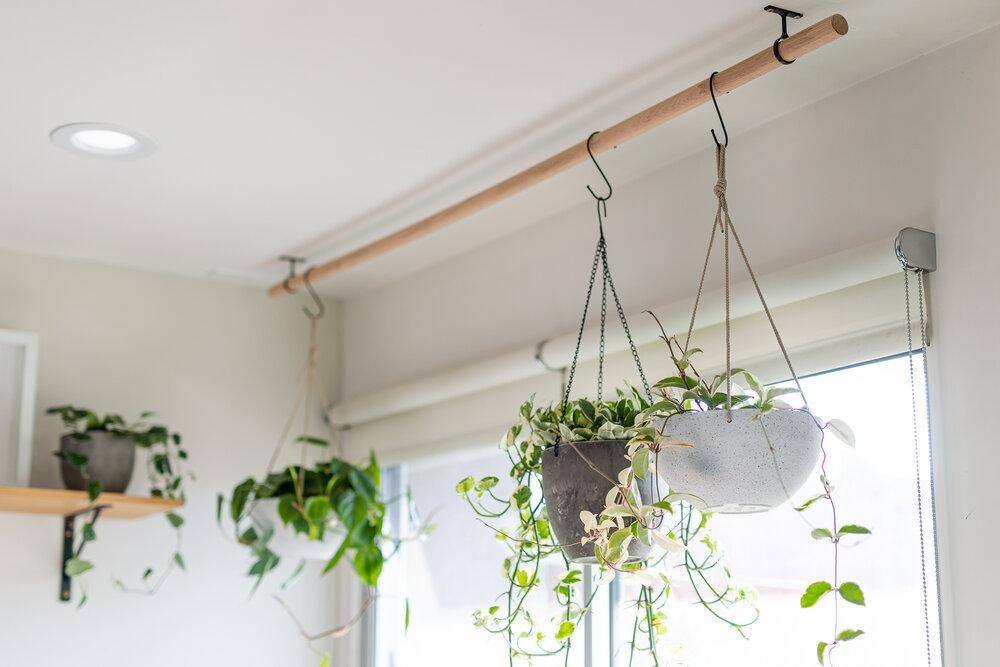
(286,542)
(730,467)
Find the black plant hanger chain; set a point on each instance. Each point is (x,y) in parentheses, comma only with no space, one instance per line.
(607,285)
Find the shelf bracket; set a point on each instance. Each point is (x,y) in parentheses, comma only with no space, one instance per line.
(69,530)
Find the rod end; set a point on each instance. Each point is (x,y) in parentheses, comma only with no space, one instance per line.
(839,24)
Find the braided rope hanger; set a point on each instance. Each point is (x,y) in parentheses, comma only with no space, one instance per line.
(723,224)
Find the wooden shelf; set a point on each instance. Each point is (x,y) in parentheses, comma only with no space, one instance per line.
(64,503)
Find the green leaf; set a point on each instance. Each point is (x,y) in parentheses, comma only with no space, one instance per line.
(176,520)
(147,573)
(848,635)
(310,440)
(485,484)
(809,502)
(239,500)
(464,486)
(814,592)
(853,529)
(325,660)
(821,534)
(179,560)
(565,630)
(93,489)
(75,567)
(406,615)
(851,592)
(74,459)
(521,495)
(220,500)
(88,532)
(640,463)
(821,652)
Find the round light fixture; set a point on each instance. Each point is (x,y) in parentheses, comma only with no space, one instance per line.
(102,140)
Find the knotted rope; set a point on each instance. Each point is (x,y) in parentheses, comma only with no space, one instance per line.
(723,223)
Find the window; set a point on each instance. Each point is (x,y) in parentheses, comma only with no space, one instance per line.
(457,570)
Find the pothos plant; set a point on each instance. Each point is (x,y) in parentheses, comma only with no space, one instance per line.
(312,501)
(689,390)
(677,532)
(165,457)
(334,498)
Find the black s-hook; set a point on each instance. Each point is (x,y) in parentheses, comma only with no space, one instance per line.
(320,306)
(602,202)
(725,132)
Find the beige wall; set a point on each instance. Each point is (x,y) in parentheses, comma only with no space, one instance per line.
(217,363)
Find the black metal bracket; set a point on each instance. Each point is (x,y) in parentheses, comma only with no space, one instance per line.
(293,262)
(785,14)
(69,530)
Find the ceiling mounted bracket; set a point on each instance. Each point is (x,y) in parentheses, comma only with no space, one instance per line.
(785,14)
(293,262)
(917,249)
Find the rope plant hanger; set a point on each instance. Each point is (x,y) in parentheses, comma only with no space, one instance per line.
(749,450)
(324,509)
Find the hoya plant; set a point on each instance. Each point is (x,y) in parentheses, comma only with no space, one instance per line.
(690,391)
(675,535)
(165,471)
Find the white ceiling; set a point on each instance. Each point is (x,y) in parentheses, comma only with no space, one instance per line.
(310,126)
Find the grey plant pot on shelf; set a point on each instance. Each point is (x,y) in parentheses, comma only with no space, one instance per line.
(753,464)
(570,486)
(110,459)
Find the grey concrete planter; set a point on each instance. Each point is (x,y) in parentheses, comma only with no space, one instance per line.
(570,486)
(730,467)
(286,542)
(110,459)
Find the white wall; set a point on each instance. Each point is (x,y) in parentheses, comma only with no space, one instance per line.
(218,364)
(917,146)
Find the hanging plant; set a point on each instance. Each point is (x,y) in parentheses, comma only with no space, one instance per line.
(97,455)
(327,509)
(630,529)
(563,460)
(333,504)
(749,451)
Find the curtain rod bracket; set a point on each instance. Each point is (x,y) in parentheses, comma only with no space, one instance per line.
(785,14)
(293,262)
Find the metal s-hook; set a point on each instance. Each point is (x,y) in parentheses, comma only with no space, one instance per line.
(725,132)
(601,201)
(320,306)
(785,14)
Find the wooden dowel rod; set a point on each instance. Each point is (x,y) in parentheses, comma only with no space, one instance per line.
(797,45)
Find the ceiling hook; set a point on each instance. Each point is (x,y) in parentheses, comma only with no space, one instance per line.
(725,132)
(320,306)
(293,261)
(785,14)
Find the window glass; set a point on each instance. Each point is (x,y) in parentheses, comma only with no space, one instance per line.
(457,570)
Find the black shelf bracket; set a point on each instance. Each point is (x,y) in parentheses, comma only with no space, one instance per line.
(69,530)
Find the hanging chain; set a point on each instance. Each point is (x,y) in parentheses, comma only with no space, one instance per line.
(607,284)
(916,446)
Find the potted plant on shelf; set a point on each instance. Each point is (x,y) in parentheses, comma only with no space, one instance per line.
(97,455)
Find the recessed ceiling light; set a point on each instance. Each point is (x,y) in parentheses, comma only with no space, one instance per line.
(102,140)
